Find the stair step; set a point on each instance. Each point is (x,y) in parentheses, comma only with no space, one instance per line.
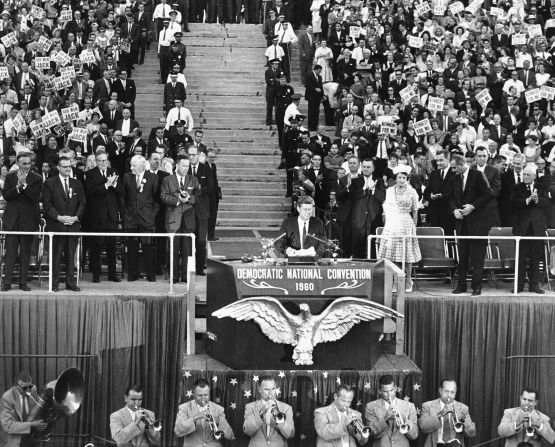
(250,214)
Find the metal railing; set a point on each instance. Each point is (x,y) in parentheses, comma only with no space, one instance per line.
(516,239)
(171,236)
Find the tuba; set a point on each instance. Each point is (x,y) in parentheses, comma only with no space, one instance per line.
(61,398)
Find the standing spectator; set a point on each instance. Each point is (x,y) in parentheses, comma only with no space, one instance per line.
(307,47)
(314,94)
(438,193)
(215,196)
(272,82)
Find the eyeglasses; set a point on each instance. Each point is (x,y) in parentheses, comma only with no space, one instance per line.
(27,387)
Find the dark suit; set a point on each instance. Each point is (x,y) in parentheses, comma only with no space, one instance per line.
(499,135)
(320,145)
(306,55)
(21,214)
(215,197)
(504,199)
(171,93)
(292,236)
(100,140)
(140,207)
(127,94)
(527,78)
(438,211)
(109,121)
(102,216)
(344,215)
(144,23)
(345,70)
(160,244)
(59,203)
(202,212)
(493,176)
(477,223)
(313,94)
(31,79)
(529,221)
(101,92)
(180,218)
(366,213)
(271,88)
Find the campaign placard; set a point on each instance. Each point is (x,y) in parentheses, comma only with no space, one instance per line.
(37,12)
(416,42)
(65,15)
(354,32)
(45,43)
(439,10)
(4,73)
(456,7)
(51,119)
(547,92)
(518,39)
(422,127)
(62,82)
(61,58)
(532,95)
(496,12)
(535,30)
(422,8)
(68,71)
(38,129)
(483,97)
(435,104)
(9,39)
(42,62)
(388,128)
(70,113)
(78,134)
(406,94)
(87,57)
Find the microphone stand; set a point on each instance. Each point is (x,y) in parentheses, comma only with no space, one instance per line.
(331,246)
(267,245)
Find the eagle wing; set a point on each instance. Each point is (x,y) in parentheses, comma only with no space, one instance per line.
(343,313)
(275,321)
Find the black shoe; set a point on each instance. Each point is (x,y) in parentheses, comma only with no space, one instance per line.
(96,279)
(458,290)
(537,290)
(477,291)
(114,279)
(24,287)
(132,278)
(54,288)
(151,278)
(6,288)
(213,239)
(268,124)
(73,288)
(201,273)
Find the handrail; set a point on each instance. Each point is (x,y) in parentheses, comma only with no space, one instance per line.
(517,240)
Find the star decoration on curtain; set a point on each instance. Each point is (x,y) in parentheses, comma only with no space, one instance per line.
(281,375)
(297,414)
(398,389)
(189,393)
(325,374)
(406,398)
(367,386)
(217,400)
(294,394)
(278,391)
(233,406)
(338,380)
(303,436)
(214,379)
(247,394)
(416,387)
(233,381)
(418,411)
(315,389)
(255,378)
(359,403)
(187,374)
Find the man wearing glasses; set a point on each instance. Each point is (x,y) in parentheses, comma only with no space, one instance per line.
(15,406)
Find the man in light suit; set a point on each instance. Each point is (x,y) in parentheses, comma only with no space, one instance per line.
(439,416)
(179,192)
(334,423)
(307,48)
(15,406)
(261,425)
(383,414)
(192,422)
(127,424)
(515,420)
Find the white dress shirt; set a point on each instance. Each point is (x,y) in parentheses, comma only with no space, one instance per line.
(181,113)
(301,223)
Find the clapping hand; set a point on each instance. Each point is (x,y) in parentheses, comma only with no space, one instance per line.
(21,178)
(112,180)
(467,209)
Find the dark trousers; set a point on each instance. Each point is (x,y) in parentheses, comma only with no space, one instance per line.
(213,216)
(532,250)
(306,68)
(133,253)
(471,254)
(211,11)
(182,247)
(142,47)
(201,231)
(313,114)
(329,112)
(96,251)
(285,61)
(66,245)
(345,241)
(185,15)
(269,110)
(163,59)
(24,242)
(280,115)
(359,242)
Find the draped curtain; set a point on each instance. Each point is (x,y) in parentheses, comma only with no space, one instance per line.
(129,339)
(467,338)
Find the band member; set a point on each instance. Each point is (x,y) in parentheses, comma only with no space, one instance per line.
(64,203)
(525,423)
(338,424)
(391,420)
(201,422)
(22,193)
(129,424)
(267,421)
(15,406)
(444,420)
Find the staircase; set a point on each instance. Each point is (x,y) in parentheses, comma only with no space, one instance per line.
(226,95)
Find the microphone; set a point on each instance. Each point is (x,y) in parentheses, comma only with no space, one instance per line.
(267,244)
(329,244)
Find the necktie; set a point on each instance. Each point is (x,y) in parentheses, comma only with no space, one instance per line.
(443,174)
(518,178)
(179,113)
(529,190)
(304,236)
(448,433)
(66,187)
(138,180)
(194,171)
(164,36)
(24,413)
(113,115)
(268,422)
(103,174)
(182,184)
(129,32)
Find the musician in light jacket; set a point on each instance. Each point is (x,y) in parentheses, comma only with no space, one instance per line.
(334,423)
(261,425)
(439,416)
(516,420)
(192,422)
(385,415)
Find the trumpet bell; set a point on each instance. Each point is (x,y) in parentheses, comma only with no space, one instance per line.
(530,431)
(459,427)
(218,435)
(280,417)
(157,426)
(365,432)
(404,429)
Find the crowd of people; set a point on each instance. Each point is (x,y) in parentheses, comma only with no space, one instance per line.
(72,152)
(442,114)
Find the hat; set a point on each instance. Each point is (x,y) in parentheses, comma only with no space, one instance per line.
(296,96)
(281,74)
(301,117)
(275,37)
(173,12)
(175,43)
(273,61)
(405,169)
(293,119)
(173,74)
(178,34)
(6,13)
(179,123)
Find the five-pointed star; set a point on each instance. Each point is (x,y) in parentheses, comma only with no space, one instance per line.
(187,374)
(233,381)
(255,378)
(367,385)
(281,375)
(294,394)
(214,379)
(359,403)
(303,436)
(338,380)
(325,374)
(315,389)
(217,400)
(418,411)
(189,393)
(406,398)
(416,387)
(298,413)
(398,389)
(247,394)
(233,405)
(278,391)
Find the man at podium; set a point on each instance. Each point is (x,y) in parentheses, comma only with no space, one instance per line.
(302,235)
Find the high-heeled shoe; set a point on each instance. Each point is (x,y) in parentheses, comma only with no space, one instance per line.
(408,288)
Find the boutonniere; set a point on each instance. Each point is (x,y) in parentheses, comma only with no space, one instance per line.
(142,185)
(70,194)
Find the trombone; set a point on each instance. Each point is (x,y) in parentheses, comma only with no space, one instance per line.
(279,416)
(218,434)
(155,424)
(401,423)
(458,425)
(359,428)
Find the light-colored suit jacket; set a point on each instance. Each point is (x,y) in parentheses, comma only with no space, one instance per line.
(200,434)
(508,430)
(178,213)
(430,423)
(255,427)
(387,435)
(12,429)
(330,429)
(126,433)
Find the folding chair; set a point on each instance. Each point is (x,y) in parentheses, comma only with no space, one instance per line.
(435,254)
(501,253)
(549,256)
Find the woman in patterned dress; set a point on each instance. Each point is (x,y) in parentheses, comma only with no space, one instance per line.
(400,213)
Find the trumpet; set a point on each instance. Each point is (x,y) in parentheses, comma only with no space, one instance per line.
(279,417)
(528,428)
(401,423)
(155,424)
(359,428)
(218,434)
(458,425)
